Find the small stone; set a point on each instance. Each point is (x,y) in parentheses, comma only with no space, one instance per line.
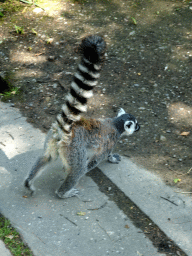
(54,85)
(37,10)
(51,58)
(163,138)
(132,33)
(47,99)
(49,40)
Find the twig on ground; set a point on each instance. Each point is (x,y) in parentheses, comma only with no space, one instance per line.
(102,206)
(104,230)
(10,135)
(169,200)
(70,221)
(38,54)
(189,170)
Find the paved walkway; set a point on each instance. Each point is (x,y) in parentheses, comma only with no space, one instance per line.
(3,250)
(93,224)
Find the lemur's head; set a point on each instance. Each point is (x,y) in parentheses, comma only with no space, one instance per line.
(125,123)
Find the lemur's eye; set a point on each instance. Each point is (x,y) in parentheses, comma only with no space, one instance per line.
(129,124)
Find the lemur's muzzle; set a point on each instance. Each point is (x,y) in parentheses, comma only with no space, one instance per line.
(137,128)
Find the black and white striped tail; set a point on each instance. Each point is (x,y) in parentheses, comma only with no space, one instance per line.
(92,49)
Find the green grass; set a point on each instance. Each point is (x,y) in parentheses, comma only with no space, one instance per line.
(9,94)
(12,239)
(10,91)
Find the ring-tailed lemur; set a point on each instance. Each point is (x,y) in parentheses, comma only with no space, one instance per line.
(82,143)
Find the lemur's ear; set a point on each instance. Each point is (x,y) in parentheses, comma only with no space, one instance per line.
(121,112)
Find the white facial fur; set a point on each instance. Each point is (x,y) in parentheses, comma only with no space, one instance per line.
(129,127)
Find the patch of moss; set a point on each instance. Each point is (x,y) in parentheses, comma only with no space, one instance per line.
(10,6)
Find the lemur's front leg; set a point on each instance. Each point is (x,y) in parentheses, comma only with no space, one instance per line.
(76,171)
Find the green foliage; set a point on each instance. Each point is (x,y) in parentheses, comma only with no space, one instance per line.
(1,12)
(8,94)
(19,30)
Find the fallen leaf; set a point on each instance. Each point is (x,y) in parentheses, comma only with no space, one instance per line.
(24,196)
(185,133)
(176,180)
(134,21)
(81,213)
(10,236)
(33,31)
(126,226)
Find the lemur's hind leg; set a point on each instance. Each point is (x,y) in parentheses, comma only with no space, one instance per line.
(76,170)
(36,171)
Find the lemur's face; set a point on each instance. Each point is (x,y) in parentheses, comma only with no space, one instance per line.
(131,126)
(130,123)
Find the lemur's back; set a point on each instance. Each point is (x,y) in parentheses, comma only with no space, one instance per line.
(94,136)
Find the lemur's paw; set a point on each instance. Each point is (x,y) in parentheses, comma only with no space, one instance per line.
(70,193)
(115,158)
(29,187)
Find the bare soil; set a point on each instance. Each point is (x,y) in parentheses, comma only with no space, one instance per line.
(148,72)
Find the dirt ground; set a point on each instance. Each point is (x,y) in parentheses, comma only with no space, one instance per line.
(148,72)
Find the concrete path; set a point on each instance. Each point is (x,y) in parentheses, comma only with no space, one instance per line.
(3,250)
(92,224)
